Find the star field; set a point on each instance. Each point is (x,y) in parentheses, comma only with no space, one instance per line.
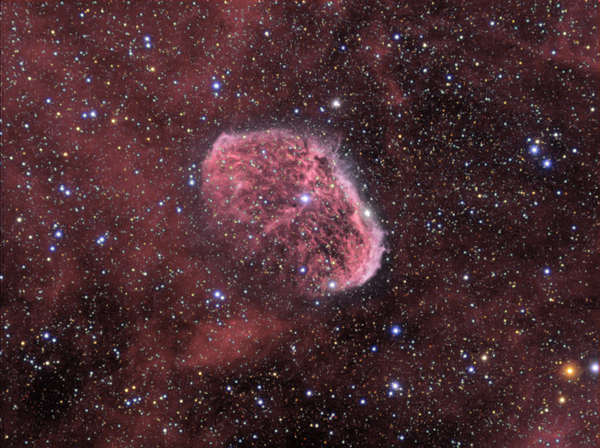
(470,131)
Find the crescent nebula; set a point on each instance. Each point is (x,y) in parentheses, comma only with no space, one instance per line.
(281,208)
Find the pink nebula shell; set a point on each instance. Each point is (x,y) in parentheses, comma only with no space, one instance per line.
(281,209)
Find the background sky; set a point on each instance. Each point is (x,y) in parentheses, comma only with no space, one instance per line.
(469,128)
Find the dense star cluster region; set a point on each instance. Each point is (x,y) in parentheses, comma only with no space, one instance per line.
(281,205)
(284,224)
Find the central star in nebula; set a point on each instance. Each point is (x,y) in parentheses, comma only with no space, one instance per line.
(283,209)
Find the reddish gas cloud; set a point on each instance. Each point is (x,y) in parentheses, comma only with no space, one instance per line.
(216,344)
(282,208)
